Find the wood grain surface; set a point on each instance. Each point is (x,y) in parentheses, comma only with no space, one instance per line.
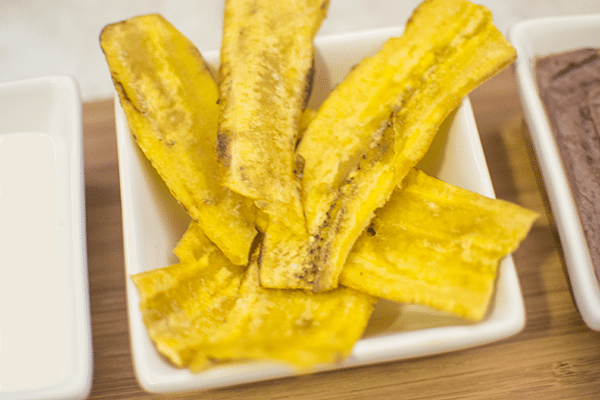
(556,356)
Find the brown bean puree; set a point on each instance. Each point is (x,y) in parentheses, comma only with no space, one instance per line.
(569,85)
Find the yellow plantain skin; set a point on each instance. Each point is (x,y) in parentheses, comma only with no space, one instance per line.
(436,245)
(267,64)
(414,82)
(170,99)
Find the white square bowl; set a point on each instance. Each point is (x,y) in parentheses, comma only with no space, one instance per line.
(153,222)
(538,38)
(45,329)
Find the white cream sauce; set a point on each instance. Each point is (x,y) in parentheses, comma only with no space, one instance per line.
(30,305)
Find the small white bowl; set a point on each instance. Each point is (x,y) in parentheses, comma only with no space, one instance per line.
(153,222)
(45,329)
(533,39)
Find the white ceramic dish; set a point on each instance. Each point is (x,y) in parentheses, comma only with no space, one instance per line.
(538,38)
(45,330)
(153,222)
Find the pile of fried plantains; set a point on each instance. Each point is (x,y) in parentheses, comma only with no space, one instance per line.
(302,219)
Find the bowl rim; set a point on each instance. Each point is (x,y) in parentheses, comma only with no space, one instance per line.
(64,105)
(502,324)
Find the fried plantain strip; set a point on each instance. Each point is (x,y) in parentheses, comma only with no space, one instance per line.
(300,328)
(437,245)
(475,53)
(267,64)
(266,70)
(184,305)
(191,245)
(208,310)
(414,81)
(365,189)
(170,99)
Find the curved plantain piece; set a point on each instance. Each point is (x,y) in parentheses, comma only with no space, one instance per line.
(207,310)
(267,65)
(170,99)
(300,328)
(414,82)
(184,305)
(267,58)
(437,245)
